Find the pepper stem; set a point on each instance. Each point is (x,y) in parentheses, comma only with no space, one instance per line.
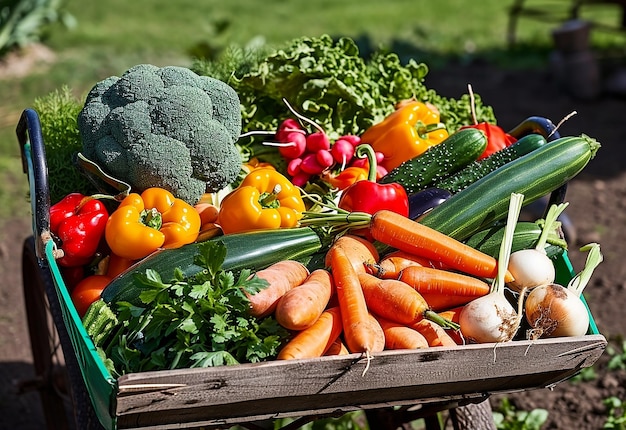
(270,200)
(152,218)
(424,129)
(366,150)
(87,199)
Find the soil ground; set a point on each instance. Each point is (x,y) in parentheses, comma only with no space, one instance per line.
(597,209)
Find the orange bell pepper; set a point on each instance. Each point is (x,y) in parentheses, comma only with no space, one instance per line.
(265,199)
(155,219)
(346,177)
(405,133)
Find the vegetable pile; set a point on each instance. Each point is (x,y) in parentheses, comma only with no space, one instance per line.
(309,202)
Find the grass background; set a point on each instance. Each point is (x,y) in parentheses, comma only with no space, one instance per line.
(109,37)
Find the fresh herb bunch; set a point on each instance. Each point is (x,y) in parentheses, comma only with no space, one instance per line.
(202,321)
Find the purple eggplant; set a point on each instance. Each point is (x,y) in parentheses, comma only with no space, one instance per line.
(423,201)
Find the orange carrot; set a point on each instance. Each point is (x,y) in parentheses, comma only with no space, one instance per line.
(315,340)
(359,250)
(390,266)
(282,277)
(379,338)
(439,302)
(301,306)
(337,348)
(434,333)
(451,314)
(392,299)
(404,234)
(399,336)
(443,289)
(360,334)
(208,212)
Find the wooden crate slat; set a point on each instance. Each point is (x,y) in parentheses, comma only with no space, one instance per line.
(288,388)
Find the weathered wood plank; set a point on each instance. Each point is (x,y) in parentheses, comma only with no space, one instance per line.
(252,392)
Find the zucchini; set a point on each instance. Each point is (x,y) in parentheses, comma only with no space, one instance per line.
(252,250)
(477,169)
(454,153)
(534,175)
(525,236)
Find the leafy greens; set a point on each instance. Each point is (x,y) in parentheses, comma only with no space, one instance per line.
(200,321)
(329,82)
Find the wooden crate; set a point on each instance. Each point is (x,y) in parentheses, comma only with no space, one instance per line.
(185,398)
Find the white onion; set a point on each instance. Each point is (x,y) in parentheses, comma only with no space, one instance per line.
(491,318)
(532,267)
(554,310)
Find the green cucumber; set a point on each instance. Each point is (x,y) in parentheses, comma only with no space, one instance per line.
(454,153)
(534,175)
(252,250)
(99,321)
(525,236)
(477,169)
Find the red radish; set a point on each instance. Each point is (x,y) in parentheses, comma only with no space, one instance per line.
(294,146)
(293,167)
(310,165)
(324,158)
(316,141)
(352,139)
(287,126)
(342,151)
(362,162)
(300,179)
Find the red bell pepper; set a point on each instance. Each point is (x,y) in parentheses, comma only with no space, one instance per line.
(369,196)
(77,223)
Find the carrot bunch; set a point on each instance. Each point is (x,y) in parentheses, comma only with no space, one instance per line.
(362,302)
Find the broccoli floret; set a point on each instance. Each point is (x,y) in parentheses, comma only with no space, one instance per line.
(164,127)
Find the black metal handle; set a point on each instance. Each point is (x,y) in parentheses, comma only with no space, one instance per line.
(30,139)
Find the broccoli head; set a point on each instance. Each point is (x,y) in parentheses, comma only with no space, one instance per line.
(164,127)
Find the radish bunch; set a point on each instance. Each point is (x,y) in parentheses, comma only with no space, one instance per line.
(310,154)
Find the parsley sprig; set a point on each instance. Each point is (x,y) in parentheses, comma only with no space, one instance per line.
(200,321)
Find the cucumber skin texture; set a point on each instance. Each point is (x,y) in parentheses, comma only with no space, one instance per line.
(454,153)
(476,170)
(99,321)
(525,236)
(533,175)
(253,250)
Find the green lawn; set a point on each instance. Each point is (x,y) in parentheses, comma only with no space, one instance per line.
(114,35)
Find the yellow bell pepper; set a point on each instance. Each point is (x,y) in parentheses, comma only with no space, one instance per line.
(405,133)
(265,199)
(155,219)
(255,163)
